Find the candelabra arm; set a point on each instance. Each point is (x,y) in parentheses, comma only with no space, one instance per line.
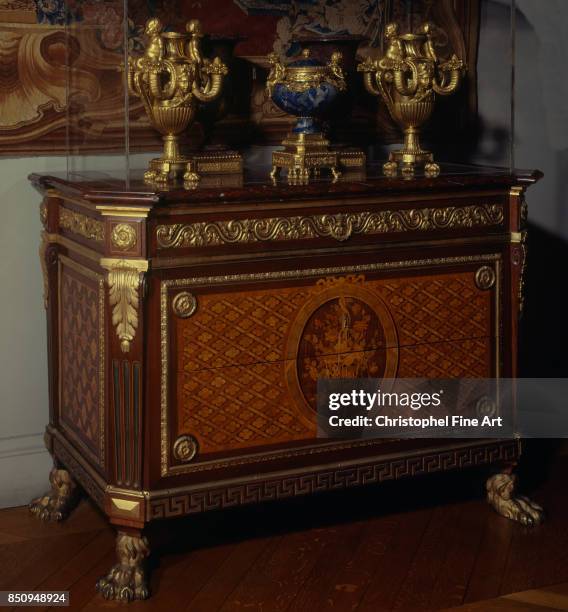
(130,78)
(445,88)
(215,71)
(370,80)
(454,68)
(406,86)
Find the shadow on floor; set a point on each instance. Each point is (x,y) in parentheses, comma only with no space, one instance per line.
(322,511)
(543,330)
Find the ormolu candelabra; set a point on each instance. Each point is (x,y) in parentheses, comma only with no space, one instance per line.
(408,77)
(171,78)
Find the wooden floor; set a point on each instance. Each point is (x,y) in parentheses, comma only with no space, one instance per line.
(544,599)
(426,544)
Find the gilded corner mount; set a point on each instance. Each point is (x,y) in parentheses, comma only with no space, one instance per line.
(124,283)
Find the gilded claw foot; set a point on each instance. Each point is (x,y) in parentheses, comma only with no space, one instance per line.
(126,580)
(501,495)
(58,503)
(191,177)
(390,168)
(150,176)
(431,169)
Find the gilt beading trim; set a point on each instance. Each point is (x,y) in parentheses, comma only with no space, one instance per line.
(80,224)
(340,226)
(43,213)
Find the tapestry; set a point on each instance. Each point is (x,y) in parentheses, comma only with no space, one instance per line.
(62,66)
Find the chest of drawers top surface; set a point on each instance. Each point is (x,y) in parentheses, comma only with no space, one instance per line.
(256,186)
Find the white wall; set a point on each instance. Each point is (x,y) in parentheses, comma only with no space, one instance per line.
(24,462)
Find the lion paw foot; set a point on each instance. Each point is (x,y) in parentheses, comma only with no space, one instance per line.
(58,503)
(501,495)
(123,584)
(48,508)
(126,581)
(526,511)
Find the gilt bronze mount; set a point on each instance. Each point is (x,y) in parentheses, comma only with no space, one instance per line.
(407,78)
(171,79)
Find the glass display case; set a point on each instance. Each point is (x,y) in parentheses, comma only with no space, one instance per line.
(262,194)
(110,131)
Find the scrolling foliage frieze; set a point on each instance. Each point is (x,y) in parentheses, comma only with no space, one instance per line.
(340,227)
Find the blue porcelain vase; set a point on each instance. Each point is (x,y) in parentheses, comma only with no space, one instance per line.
(306,88)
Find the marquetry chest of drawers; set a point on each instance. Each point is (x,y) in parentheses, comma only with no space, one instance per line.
(187,331)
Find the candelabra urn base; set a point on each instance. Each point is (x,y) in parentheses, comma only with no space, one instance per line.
(407,162)
(164,170)
(305,155)
(411,156)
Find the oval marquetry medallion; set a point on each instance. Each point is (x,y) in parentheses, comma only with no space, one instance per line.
(344,331)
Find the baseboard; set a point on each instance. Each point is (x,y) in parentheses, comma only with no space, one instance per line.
(24,469)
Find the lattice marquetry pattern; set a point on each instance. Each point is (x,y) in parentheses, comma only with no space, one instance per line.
(465,359)
(437,308)
(237,407)
(239,328)
(79,404)
(231,387)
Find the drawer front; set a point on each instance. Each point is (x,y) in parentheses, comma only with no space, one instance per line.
(233,327)
(241,359)
(242,407)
